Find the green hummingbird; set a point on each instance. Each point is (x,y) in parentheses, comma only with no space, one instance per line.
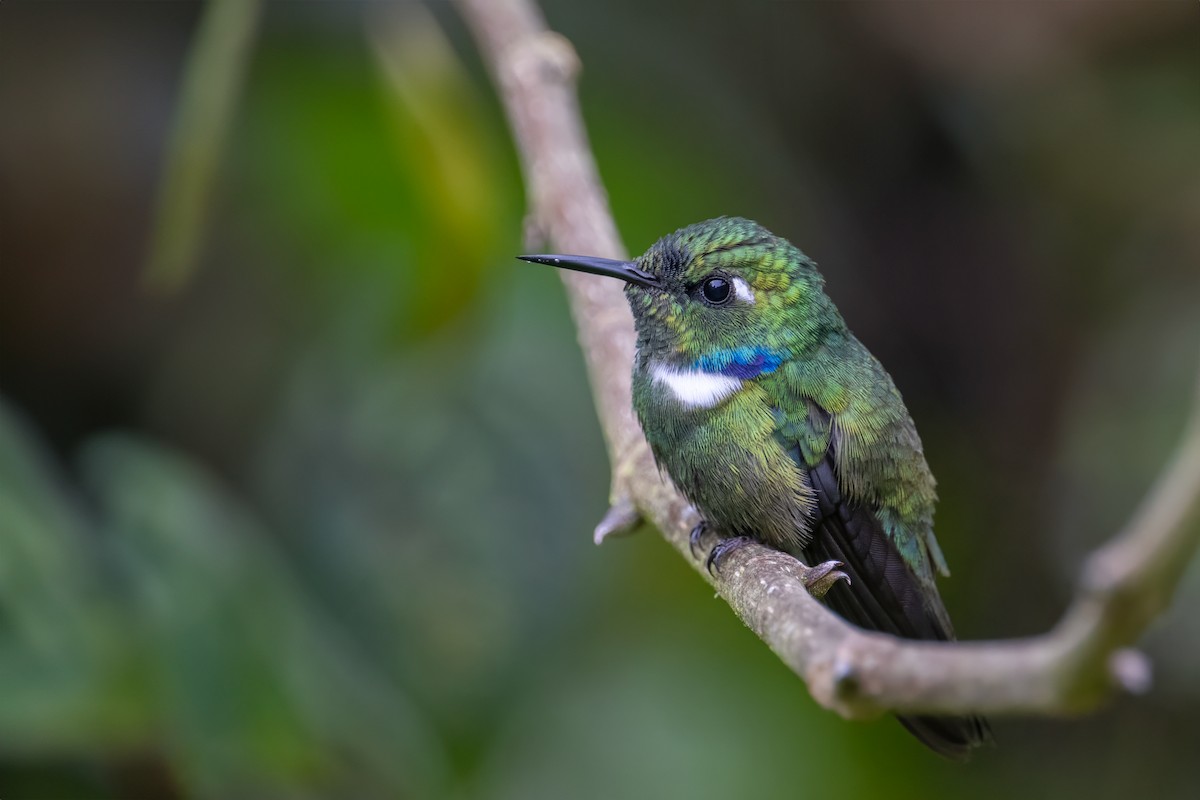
(779,426)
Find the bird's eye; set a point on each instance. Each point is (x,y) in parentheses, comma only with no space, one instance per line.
(716,291)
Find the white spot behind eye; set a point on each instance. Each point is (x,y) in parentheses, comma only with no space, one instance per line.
(743,291)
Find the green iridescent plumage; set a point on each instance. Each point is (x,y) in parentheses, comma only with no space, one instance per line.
(879,455)
(779,425)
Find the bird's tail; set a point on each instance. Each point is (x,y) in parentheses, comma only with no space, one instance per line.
(884,595)
(952,737)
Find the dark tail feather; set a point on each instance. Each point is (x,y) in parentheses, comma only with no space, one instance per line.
(884,596)
(952,737)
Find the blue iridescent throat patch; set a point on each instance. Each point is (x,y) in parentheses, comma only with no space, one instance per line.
(743,363)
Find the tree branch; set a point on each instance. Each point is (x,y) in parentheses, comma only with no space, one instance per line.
(1074,667)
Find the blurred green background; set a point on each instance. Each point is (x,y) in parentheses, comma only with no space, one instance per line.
(298,467)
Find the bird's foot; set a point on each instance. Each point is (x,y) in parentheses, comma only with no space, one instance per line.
(695,536)
(820,579)
(721,550)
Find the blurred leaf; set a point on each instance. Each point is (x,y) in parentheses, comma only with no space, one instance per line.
(63,660)
(378,174)
(212,80)
(440,134)
(258,693)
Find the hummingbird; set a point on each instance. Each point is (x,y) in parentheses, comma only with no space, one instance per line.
(779,426)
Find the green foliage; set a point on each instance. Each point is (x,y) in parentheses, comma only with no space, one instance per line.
(194,635)
(66,671)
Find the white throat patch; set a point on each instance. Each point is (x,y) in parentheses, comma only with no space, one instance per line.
(694,388)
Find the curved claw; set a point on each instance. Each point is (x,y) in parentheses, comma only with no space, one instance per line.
(822,577)
(695,536)
(722,549)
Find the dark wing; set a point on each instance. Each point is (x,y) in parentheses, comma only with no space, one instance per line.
(883,593)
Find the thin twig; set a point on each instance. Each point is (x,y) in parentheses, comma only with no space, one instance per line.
(1126,584)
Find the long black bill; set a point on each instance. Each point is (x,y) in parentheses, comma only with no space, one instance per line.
(627,271)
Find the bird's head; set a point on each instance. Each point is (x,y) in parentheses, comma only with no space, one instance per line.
(724,294)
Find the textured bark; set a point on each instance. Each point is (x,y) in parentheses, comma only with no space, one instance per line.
(1074,667)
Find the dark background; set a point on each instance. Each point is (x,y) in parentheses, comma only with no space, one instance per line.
(311,516)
